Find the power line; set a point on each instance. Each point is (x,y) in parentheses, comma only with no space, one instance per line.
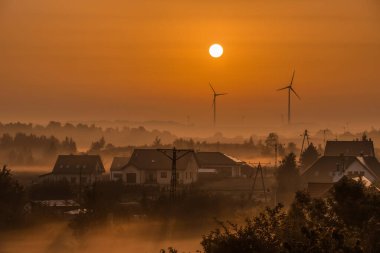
(174,157)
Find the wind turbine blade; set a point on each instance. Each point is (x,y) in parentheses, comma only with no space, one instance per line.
(295,93)
(212,88)
(221,94)
(287,87)
(291,82)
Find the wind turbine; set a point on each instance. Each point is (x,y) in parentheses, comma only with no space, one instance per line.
(290,89)
(214,101)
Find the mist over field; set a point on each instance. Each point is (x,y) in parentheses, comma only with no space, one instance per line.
(120,237)
(189,126)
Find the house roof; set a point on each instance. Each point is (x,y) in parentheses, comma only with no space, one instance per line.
(247,169)
(349,148)
(371,163)
(119,162)
(215,159)
(322,168)
(76,164)
(317,190)
(152,159)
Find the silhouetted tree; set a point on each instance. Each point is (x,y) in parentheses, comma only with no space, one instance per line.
(97,145)
(287,177)
(310,225)
(156,142)
(261,234)
(308,156)
(270,143)
(354,203)
(12,200)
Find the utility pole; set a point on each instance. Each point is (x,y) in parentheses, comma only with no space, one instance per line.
(174,157)
(259,169)
(305,137)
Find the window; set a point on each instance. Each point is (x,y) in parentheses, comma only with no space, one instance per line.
(131,178)
(164,174)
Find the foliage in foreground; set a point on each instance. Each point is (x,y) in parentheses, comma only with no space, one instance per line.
(310,225)
(12,200)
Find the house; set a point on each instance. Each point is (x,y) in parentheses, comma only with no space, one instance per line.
(350,148)
(118,163)
(76,169)
(150,166)
(218,164)
(327,170)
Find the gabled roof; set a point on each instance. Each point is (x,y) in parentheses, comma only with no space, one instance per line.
(119,162)
(215,159)
(76,164)
(322,168)
(371,163)
(349,148)
(318,190)
(152,159)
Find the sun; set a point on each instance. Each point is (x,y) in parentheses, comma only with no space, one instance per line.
(216,50)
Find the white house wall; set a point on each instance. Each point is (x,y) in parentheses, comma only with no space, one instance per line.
(187,176)
(356,168)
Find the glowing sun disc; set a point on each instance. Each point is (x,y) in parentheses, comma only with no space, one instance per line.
(216,50)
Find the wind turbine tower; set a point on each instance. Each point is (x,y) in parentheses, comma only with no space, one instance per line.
(290,89)
(214,101)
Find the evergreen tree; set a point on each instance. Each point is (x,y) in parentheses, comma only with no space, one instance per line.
(308,156)
(288,178)
(12,200)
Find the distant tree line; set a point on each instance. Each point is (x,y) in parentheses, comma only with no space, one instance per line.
(23,149)
(84,133)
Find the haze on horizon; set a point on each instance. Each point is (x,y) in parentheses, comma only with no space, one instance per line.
(141,60)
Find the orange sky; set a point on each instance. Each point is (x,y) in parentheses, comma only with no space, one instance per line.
(140,60)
